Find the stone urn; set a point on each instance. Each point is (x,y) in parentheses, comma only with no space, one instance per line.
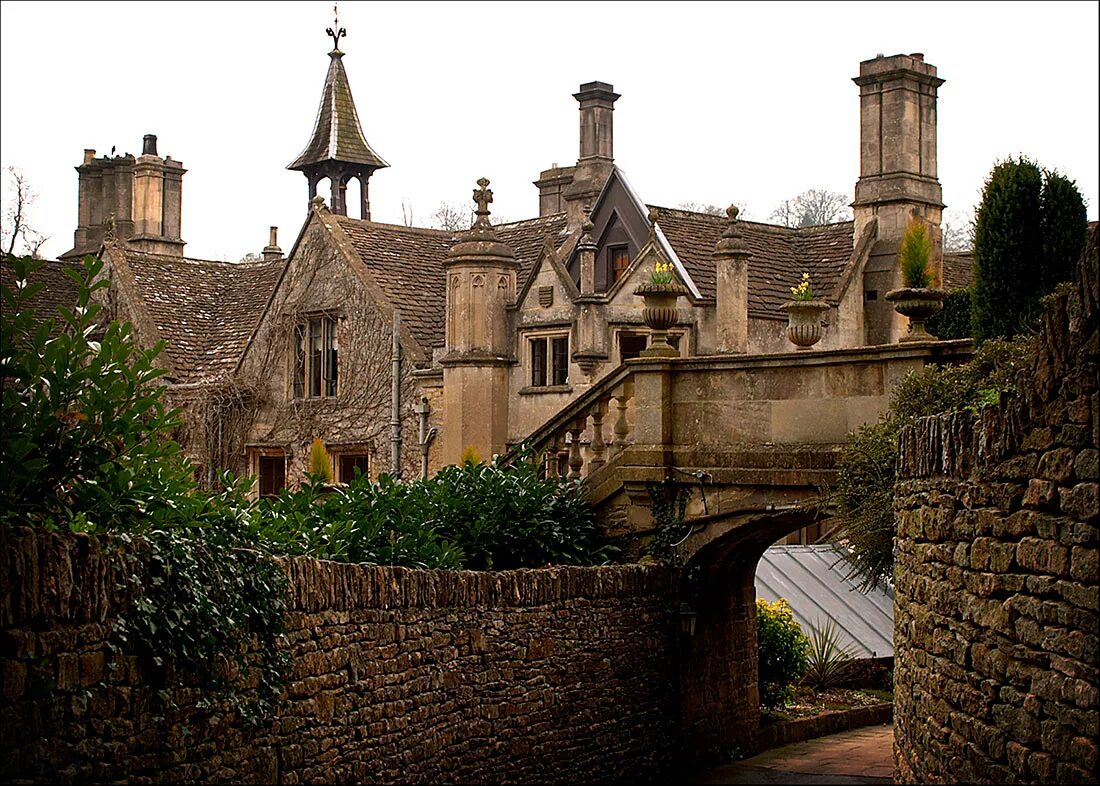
(919,304)
(660,313)
(804,321)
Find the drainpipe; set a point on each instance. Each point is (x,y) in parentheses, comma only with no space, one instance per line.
(395,399)
(426,435)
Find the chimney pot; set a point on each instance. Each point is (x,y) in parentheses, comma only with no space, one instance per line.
(918,56)
(274,237)
(150,146)
(89,155)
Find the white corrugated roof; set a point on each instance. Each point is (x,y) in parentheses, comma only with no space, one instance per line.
(812,580)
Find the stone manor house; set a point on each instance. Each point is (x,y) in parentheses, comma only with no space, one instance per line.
(498,327)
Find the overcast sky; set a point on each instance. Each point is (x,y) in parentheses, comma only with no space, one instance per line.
(721,102)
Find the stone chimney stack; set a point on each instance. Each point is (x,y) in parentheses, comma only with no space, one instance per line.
(570,189)
(731,258)
(481,284)
(271,250)
(898,175)
(143,195)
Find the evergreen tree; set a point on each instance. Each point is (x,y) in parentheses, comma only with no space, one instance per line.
(1008,250)
(1065,228)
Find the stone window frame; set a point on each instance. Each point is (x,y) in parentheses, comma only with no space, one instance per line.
(556,379)
(300,388)
(340,451)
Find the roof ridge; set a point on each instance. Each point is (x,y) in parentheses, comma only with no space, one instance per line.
(404,228)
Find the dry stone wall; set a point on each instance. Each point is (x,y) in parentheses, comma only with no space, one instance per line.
(549,675)
(996,621)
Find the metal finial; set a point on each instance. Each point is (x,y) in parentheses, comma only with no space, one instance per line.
(340,32)
(482,196)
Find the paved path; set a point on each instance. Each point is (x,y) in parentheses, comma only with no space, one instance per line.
(861,756)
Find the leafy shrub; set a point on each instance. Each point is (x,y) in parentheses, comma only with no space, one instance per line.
(783,649)
(954,320)
(1064,226)
(320,465)
(916,246)
(865,470)
(828,657)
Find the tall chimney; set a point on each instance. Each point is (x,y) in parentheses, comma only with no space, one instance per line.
(597,100)
(272,250)
(596,160)
(898,178)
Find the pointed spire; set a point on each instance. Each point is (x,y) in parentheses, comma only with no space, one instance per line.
(337,133)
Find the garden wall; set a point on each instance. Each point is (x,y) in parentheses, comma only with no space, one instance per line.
(550,675)
(996,621)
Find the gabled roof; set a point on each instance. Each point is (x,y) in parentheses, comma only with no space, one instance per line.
(205,310)
(780,255)
(958,270)
(337,133)
(407,264)
(58,290)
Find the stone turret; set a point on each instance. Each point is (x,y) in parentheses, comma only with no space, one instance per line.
(731,261)
(898,177)
(142,197)
(481,284)
(338,150)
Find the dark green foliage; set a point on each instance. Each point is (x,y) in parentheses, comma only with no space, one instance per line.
(477,515)
(1064,227)
(783,651)
(828,657)
(954,321)
(1028,234)
(1007,250)
(865,478)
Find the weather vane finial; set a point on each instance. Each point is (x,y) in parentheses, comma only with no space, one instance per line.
(336,31)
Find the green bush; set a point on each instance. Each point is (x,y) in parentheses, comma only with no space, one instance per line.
(865,469)
(916,246)
(783,650)
(954,320)
(1064,226)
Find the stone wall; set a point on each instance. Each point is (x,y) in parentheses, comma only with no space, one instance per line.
(996,621)
(550,675)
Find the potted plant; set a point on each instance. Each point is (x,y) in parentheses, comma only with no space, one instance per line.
(804,314)
(660,312)
(918,299)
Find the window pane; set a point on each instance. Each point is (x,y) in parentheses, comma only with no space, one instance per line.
(299,361)
(330,357)
(272,470)
(631,345)
(620,261)
(538,362)
(350,462)
(314,358)
(561,360)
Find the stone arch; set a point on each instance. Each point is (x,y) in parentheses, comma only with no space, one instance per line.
(719,693)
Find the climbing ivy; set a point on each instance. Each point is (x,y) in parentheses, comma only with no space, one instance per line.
(669,501)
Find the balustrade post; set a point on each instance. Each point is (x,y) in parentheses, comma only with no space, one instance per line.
(598,445)
(622,425)
(576,459)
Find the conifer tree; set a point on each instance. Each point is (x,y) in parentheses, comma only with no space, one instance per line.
(1008,250)
(1064,226)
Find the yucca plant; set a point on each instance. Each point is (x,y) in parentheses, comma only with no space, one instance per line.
(827,657)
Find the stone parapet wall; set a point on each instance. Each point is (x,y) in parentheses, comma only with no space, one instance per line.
(549,675)
(996,570)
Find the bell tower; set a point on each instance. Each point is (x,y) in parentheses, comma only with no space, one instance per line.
(338,149)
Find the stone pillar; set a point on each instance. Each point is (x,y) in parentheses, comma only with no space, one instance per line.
(897,175)
(481,284)
(731,259)
(719,686)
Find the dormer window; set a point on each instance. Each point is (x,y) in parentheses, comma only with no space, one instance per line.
(619,257)
(316,358)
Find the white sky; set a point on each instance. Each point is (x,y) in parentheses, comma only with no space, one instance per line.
(721,102)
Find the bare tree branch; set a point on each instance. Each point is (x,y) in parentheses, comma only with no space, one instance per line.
(813,207)
(16,229)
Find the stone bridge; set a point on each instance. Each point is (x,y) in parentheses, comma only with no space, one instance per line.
(756,439)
